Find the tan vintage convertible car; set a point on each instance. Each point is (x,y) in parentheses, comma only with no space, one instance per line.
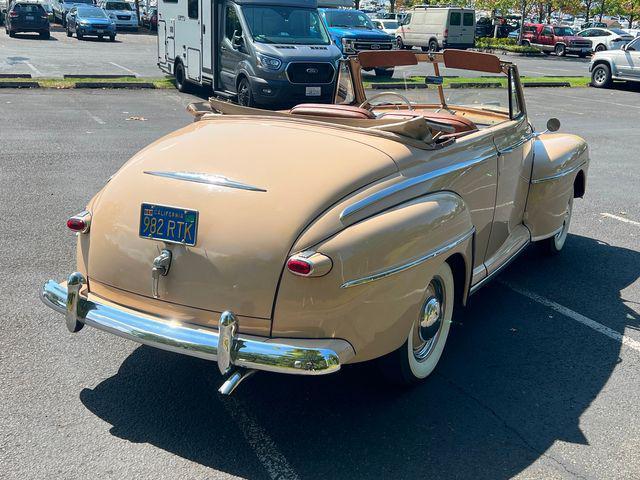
(300,241)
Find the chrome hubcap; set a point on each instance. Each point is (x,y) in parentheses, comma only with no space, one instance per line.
(600,76)
(427,330)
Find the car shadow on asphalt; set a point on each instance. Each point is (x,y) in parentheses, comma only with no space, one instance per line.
(35,36)
(515,378)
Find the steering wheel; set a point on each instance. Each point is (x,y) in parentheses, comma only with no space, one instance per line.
(367,103)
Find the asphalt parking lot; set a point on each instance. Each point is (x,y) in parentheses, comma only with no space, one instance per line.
(136,53)
(539,379)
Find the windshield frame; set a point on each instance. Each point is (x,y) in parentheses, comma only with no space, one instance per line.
(325,39)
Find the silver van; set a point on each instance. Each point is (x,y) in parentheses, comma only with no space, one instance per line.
(433,28)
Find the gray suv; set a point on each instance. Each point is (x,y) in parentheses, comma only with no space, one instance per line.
(610,65)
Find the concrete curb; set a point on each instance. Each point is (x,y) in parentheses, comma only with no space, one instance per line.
(15,75)
(475,85)
(391,86)
(19,85)
(99,76)
(545,84)
(498,51)
(128,85)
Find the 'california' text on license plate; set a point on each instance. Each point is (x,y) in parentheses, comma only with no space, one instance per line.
(169,224)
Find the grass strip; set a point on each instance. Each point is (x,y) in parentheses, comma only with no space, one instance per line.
(121,82)
(477,82)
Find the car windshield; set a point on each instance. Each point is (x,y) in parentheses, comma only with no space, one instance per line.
(348,19)
(89,12)
(117,6)
(87,2)
(285,25)
(564,31)
(27,8)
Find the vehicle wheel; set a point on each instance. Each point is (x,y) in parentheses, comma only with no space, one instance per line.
(100,37)
(245,95)
(12,34)
(416,359)
(45,35)
(582,55)
(79,35)
(384,72)
(69,34)
(433,46)
(554,244)
(601,76)
(181,79)
(546,52)
(112,38)
(400,43)
(601,48)
(526,43)
(561,50)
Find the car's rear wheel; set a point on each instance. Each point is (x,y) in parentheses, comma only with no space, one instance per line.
(69,34)
(561,50)
(433,46)
(554,244)
(79,35)
(181,81)
(601,76)
(45,35)
(400,43)
(416,359)
(601,48)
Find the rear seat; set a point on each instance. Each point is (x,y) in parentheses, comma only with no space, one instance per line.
(458,123)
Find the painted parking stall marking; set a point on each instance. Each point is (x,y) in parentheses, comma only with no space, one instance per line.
(598,327)
(621,219)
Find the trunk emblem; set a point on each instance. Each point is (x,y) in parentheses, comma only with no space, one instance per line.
(161,266)
(207,179)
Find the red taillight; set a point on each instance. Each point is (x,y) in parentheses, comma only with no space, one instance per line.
(80,223)
(299,267)
(13,14)
(446,32)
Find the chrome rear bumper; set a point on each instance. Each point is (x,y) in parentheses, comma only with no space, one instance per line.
(224,346)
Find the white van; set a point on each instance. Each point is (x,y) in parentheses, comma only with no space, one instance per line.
(433,28)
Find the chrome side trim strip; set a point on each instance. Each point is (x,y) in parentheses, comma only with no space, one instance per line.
(206,178)
(253,353)
(406,266)
(411,182)
(518,144)
(560,174)
(548,235)
(474,288)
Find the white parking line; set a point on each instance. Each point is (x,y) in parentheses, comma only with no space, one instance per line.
(124,68)
(38,72)
(264,447)
(598,327)
(98,120)
(622,219)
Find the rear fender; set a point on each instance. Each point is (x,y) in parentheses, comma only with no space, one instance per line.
(381,268)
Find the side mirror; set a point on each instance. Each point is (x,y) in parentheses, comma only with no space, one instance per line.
(553,125)
(238,40)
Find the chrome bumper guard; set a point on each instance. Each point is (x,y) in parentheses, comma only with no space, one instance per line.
(224,346)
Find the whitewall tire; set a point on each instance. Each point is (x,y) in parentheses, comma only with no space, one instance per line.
(417,358)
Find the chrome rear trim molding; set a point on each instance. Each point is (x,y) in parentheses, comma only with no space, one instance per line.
(406,266)
(559,174)
(207,179)
(252,353)
(411,182)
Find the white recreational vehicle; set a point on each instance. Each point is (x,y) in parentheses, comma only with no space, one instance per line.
(262,52)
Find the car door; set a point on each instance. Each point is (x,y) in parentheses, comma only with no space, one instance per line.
(454,25)
(468,28)
(514,143)
(546,37)
(71,23)
(230,54)
(629,64)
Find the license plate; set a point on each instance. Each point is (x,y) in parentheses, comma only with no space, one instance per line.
(168,224)
(314,91)
(100,31)
(29,17)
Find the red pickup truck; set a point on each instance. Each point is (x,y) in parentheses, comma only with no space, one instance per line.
(552,38)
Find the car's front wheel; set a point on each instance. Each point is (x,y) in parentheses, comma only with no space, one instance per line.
(601,76)
(601,48)
(433,46)
(416,359)
(561,50)
(245,95)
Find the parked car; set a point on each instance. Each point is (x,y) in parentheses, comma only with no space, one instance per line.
(123,13)
(49,9)
(605,38)
(486,26)
(3,10)
(387,26)
(27,16)
(433,28)
(86,21)
(634,32)
(353,32)
(557,39)
(62,7)
(150,19)
(593,25)
(409,209)
(623,64)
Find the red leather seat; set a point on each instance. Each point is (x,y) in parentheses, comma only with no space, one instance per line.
(332,111)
